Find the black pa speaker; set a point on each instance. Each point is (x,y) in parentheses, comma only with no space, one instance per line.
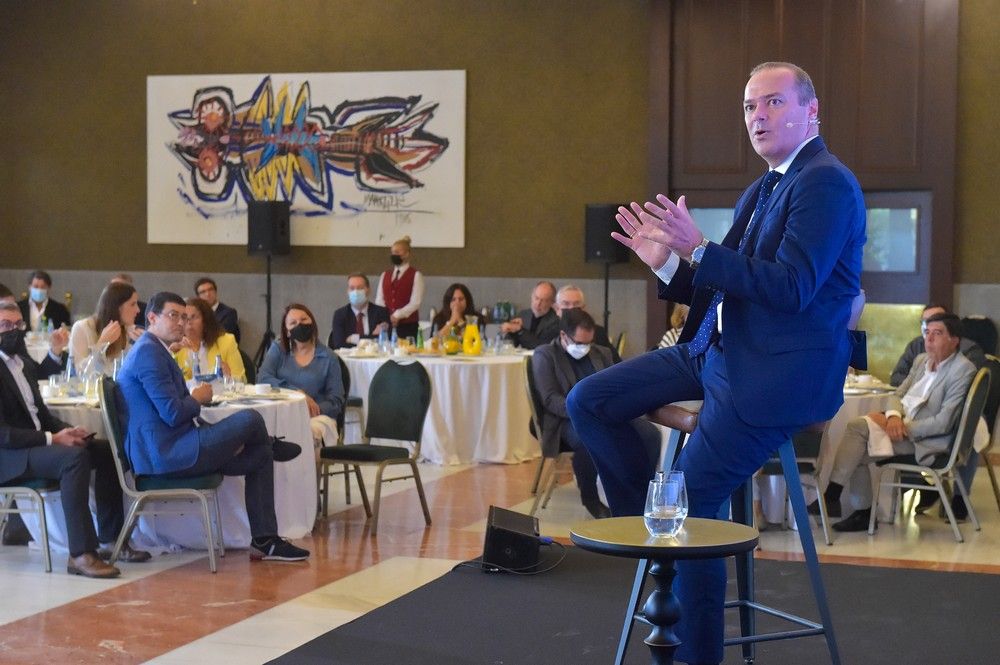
(599,246)
(267,227)
(511,541)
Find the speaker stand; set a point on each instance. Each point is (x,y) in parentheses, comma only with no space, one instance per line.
(265,343)
(607,312)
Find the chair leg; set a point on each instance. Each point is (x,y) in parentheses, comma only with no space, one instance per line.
(791,471)
(206,517)
(946,504)
(130,519)
(741,505)
(362,491)
(550,483)
(44,526)
(545,468)
(420,492)
(218,524)
(325,490)
(876,491)
(993,479)
(824,518)
(964,493)
(347,485)
(378,497)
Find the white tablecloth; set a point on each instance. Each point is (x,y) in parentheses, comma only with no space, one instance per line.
(479,408)
(294,484)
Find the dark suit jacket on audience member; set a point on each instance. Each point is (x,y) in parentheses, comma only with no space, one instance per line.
(55,312)
(553,371)
(344,321)
(601,339)
(17,430)
(228,319)
(545,331)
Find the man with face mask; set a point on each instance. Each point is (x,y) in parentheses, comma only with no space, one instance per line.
(164,440)
(360,318)
(38,309)
(36,444)
(557,367)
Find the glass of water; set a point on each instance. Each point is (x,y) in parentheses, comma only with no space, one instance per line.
(666,504)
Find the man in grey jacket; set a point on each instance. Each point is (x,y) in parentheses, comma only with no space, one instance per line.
(922,422)
(969,349)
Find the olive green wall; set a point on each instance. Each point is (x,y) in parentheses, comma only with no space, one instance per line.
(556,118)
(977,242)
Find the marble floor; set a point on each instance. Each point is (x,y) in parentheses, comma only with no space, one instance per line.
(173,610)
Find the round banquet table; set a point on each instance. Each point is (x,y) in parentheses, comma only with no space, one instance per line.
(294,481)
(479,408)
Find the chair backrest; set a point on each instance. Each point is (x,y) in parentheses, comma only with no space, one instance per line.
(534,399)
(345,380)
(398,398)
(248,365)
(971,413)
(620,344)
(981,330)
(114,411)
(992,405)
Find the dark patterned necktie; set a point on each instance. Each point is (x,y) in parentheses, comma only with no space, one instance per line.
(359,323)
(703,337)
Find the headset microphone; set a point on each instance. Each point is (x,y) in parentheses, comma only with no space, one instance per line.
(812,121)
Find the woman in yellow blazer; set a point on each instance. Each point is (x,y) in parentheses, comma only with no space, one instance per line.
(204,339)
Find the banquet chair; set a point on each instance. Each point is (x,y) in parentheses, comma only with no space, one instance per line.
(355,404)
(29,488)
(620,344)
(398,398)
(249,367)
(548,467)
(143,489)
(991,411)
(943,468)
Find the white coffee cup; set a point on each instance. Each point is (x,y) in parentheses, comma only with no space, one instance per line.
(262,388)
(46,391)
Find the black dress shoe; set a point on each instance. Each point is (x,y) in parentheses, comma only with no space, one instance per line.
(284,451)
(127,555)
(856,521)
(927,500)
(597,509)
(14,531)
(832,509)
(958,507)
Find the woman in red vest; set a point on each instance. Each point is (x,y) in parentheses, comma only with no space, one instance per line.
(401,289)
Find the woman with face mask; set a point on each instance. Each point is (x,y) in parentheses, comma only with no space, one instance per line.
(110,332)
(298,360)
(204,339)
(401,290)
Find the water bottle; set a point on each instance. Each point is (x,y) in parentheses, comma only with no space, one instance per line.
(420,338)
(394,342)
(383,341)
(72,383)
(219,375)
(195,365)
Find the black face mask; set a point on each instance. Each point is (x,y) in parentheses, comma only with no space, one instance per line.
(12,343)
(396,259)
(302,332)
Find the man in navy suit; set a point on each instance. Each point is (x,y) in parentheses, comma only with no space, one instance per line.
(206,289)
(360,318)
(784,279)
(164,440)
(38,307)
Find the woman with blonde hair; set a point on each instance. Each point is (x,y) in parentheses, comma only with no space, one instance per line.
(401,290)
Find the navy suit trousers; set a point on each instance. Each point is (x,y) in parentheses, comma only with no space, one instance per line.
(718,457)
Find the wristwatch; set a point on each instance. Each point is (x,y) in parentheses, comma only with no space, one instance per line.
(697,253)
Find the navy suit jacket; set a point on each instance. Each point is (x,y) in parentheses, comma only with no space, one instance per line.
(343,324)
(161,434)
(228,319)
(788,296)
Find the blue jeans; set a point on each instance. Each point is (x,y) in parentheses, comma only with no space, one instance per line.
(219,452)
(721,454)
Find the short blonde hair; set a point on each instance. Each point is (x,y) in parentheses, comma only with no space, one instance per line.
(405,240)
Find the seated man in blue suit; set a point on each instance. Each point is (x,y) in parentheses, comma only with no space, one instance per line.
(784,279)
(360,318)
(164,439)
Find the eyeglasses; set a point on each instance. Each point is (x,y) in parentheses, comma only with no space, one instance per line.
(7,326)
(176,316)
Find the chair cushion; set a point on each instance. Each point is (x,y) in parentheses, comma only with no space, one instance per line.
(38,484)
(363,452)
(355,401)
(209,482)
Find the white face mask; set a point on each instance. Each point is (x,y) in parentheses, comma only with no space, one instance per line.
(578,351)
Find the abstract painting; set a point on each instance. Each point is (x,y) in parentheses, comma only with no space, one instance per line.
(363,158)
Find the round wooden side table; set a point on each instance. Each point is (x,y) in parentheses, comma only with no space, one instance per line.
(628,537)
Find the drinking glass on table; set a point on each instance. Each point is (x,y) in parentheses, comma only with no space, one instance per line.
(666,504)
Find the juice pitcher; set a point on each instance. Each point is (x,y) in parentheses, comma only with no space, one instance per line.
(472,343)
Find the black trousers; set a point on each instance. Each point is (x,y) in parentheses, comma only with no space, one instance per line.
(71,466)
